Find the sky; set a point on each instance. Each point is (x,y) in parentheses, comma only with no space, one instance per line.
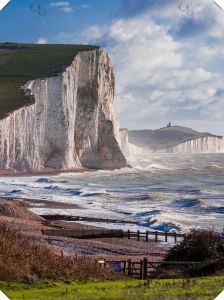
(168,55)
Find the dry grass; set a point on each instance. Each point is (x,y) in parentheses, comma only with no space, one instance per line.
(21,259)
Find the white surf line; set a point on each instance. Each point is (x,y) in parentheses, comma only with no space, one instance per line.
(220,3)
(3,3)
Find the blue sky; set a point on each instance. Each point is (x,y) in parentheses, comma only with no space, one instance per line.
(169,65)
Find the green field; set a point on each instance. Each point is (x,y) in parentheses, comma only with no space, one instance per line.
(195,289)
(20,63)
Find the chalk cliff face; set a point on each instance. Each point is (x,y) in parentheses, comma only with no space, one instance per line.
(202,145)
(174,139)
(70,125)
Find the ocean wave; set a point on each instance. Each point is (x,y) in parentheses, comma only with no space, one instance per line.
(185,203)
(44,180)
(61,190)
(219,210)
(91,194)
(47,180)
(151,167)
(13,192)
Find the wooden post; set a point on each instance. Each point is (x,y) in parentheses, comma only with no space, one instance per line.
(129,234)
(156,236)
(175,237)
(166,236)
(145,268)
(124,270)
(141,270)
(147,236)
(138,235)
(129,268)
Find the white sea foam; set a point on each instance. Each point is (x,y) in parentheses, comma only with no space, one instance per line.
(161,192)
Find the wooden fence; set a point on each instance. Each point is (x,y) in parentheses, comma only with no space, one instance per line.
(143,269)
(156,235)
(147,236)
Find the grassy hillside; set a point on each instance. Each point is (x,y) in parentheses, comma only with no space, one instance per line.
(20,63)
(165,137)
(177,289)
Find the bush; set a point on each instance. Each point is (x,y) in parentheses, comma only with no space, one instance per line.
(198,245)
(21,259)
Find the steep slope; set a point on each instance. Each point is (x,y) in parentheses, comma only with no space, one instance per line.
(170,139)
(20,63)
(68,123)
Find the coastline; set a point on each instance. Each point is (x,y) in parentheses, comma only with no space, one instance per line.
(15,213)
(46,172)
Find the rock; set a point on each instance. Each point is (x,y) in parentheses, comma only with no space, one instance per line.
(71,124)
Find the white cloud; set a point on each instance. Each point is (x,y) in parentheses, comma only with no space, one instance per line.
(64,6)
(158,76)
(42,41)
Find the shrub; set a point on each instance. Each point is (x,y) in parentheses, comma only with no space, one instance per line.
(198,245)
(22,259)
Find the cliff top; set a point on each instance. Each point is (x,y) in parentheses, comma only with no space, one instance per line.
(164,137)
(20,63)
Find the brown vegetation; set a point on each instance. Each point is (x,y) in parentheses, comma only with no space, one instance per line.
(21,259)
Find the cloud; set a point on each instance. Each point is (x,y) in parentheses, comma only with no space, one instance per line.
(164,73)
(41,41)
(207,18)
(64,6)
(159,78)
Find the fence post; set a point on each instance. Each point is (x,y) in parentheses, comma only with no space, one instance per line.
(156,236)
(129,234)
(124,270)
(129,268)
(147,236)
(138,235)
(175,237)
(145,268)
(141,270)
(166,236)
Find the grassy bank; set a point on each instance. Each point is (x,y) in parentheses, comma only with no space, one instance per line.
(20,63)
(200,288)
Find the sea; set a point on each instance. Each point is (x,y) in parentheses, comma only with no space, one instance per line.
(164,192)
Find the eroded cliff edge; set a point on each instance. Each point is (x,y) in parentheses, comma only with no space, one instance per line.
(70,125)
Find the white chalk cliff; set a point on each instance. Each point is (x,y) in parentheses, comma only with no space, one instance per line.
(209,144)
(70,125)
(201,145)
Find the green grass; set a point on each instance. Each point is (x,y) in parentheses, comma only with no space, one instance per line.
(178,289)
(20,63)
